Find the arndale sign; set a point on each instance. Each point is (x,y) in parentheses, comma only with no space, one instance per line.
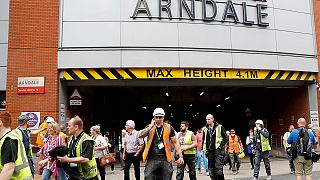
(208,7)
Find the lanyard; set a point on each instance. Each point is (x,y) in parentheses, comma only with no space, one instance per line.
(26,136)
(159,135)
(74,144)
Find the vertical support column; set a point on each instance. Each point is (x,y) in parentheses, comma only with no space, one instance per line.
(62,102)
(313,105)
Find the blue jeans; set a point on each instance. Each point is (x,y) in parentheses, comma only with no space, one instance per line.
(202,159)
(46,174)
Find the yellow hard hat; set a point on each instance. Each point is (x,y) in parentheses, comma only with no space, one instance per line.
(241,155)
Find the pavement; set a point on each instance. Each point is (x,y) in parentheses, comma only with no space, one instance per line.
(279,169)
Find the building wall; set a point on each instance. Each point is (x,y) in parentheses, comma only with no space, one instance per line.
(316,6)
(4,25)
(103,34)
(33,43)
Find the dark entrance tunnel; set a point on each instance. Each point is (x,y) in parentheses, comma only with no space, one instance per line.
(233,107)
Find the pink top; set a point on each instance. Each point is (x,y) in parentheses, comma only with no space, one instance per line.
(199,141)
(50,144)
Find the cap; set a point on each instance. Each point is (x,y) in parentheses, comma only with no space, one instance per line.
(23,119)
(158,112)
(49,120)
(130,123)
(259,121)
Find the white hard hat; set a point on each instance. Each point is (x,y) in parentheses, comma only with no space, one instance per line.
(158,112)
(49,119)
(259,121)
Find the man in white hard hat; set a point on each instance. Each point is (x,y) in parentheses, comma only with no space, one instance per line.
(157,150)
(262,147)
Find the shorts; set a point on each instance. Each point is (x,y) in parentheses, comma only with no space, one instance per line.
(303,165)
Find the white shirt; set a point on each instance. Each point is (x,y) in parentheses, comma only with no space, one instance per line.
(285,140)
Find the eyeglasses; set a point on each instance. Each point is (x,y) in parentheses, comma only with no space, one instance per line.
(158,117)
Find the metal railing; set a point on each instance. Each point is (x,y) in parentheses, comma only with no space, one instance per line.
(276,140)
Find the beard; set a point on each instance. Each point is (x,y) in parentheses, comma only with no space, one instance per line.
(183,130)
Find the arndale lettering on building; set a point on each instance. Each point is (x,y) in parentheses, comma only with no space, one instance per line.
(208,7)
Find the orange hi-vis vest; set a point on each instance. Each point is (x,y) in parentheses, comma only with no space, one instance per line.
(166,141)
(234,145)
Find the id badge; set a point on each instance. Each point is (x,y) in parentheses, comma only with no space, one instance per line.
(160,145)
(73,165)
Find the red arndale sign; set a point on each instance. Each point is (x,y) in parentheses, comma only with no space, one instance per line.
(30,85)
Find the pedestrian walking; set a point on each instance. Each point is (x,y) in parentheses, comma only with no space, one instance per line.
(99,148)
(288,149)
(24,135)
(110,150)
(157,150)
(301,141)
(188,144)
(201,155)
(133,145)
(250,149)
(81,161)
(262,148)
(214,140)
(13,155)
(49,165)
(234,147)
(121,147)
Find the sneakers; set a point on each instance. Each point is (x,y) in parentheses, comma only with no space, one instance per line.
(292,172)
(112,172)
(234,172)
(207,173)
(254,178)
(268,177)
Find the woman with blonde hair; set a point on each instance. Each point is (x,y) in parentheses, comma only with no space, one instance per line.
(50,165)
(99,147)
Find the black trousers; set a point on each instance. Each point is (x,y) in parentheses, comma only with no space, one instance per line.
(252,160)
(215,163)
(190,160)
(102,171)
(131,159)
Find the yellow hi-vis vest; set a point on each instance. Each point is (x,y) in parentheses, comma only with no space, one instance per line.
(19,133)
(89,169)
(187,141)
(264,141)
(219,138)
(21,166)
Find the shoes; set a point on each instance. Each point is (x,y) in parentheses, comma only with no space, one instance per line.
(112,172)
(207,173)
(234,172)
(268,177)
(200,172)
(254,178)
(292,172)
(252,168)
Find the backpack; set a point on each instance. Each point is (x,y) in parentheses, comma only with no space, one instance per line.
(302,144)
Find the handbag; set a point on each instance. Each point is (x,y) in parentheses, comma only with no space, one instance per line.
(106,159)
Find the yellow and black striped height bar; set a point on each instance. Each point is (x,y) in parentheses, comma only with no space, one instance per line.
(188,73)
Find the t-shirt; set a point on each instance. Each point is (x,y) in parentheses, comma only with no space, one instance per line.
(9,151)
(199,141)
(87,152)
(181,138)
(156,153)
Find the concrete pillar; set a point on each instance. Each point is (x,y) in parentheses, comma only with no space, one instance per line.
(62,102)
(313,105)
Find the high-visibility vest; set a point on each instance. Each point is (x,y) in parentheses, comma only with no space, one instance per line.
(19,133)
(21,166)
(264,141)
(219,138)
(234,145)
(89,169)
(166,141)
(188,141)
